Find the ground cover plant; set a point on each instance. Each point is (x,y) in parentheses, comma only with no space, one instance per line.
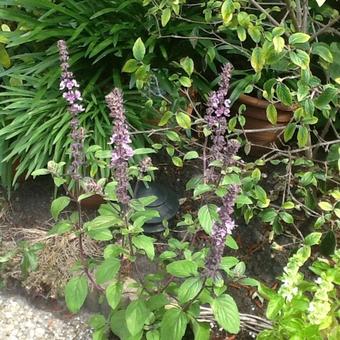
(236,47)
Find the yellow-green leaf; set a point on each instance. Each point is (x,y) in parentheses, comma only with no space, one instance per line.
(5,61)
(279,43)
(183,120)
(271,113)
(166,15)
(257,59)
(298,38)
(325,206)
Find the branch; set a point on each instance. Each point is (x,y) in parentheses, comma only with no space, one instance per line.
(271,19)
(325,27)
(291,13)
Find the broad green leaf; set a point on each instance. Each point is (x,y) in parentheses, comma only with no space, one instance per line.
(274,306)
(300,58)
(173,136)
(183,120)
(254,33)
(136,314)
(191,155)
(130,66)
(60,228)
(173,324)
(325,97)
(58,205)
(298,38)
(166,15)
(271,113)
(182,268)
(145,243)
(288,218)
(226,313)
(75,293)
(323,52)
(138,49)
(231,243)
(201,189)
(283,94)
(207,215)
(257,59)
(313,238)
(187,65)
(228,262)
(165,118)
(177,161)
(189,289)
(289,132)
(152,335)
(143,151)
(325,206)
(241,33)
(107,270)
(185,81)
(302,136)
(201,330)
(113,294)
(279,43)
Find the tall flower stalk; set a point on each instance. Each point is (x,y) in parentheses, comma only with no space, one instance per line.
(121,141)
(220,231)
(71,93)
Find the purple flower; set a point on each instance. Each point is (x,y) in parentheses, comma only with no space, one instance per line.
(145,164)
(73,96)
(220,231)
(218,110)
(120,138)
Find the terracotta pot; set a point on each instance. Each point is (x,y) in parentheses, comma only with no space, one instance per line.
(92,202)
(256,118)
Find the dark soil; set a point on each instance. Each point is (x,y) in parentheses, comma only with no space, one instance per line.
(30,208)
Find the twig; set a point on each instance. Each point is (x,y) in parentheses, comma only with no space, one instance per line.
(271,19)
(325,27)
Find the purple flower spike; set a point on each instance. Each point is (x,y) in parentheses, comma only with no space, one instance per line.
(220,232)
(218,110)
(72,95)
(120,138)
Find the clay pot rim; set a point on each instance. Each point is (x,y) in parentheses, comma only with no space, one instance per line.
(262,103)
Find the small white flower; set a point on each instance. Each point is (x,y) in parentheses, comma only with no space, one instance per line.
(319,281)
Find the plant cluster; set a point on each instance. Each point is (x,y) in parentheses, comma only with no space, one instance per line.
(163,59)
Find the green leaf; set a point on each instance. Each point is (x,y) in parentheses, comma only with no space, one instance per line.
(60,228)
(136,314)
(152,335)
(228,262)
(207,215)
(173,136)
(289,132)
(279,44)
(191,155)
(177,161)
(138,49)
(298,38)
(165,118)
(173,324)
(107,270)
(5,60)
(189,289)
(288,218)
(143,151)
(271,113)
(185,81)
(201,330)
(183,120)
(97,321)
(58,205)
(201,189)
(313,238)
(323,52)
(254,33)
(302,136)
(274,306)
(182,268)
(300,58)
(257,59)
(231,243)
(226,313)
(75,293)
(283,94)
(328,243)
(241,33)
(145,243)
(130,66)
(325,206)
(40,172)
(187,65)
(325,97)
(166,15)
(113,294)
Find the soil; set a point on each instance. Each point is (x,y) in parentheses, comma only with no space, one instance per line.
(30,208)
